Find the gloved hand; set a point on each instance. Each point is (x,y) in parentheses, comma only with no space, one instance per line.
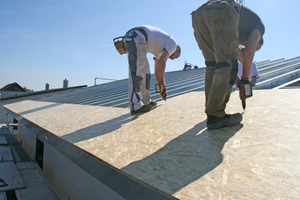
(245,88)
(162,89)
(163,92)
(164,95)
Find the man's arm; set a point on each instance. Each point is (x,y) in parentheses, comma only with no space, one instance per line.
(249,51)
(160,66)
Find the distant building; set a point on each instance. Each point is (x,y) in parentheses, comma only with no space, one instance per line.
(13,92)
(12,89)
(65,83)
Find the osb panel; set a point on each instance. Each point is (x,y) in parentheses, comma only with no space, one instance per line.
(171,149)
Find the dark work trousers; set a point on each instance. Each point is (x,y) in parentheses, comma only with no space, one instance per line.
(139,71)
(216,32)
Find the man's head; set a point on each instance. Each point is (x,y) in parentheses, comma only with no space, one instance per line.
(176,54)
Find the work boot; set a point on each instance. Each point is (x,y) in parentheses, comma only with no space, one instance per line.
(153,103)
(142,109)
(219,122)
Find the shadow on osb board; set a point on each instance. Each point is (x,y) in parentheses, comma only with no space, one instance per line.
(184,159)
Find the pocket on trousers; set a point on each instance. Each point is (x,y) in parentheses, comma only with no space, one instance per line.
(218,11)
(137,80)
(148,77)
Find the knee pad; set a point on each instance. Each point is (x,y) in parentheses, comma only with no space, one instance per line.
(210,63)
(222,64)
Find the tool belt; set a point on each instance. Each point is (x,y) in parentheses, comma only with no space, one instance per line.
(119,41)
(119,44)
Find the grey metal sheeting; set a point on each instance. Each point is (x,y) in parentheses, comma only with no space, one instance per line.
(114,94)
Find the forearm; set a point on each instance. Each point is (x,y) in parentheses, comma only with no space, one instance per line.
(160,67)
(249,51)
(248,56)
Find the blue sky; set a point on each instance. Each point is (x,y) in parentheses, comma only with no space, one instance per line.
(51,40)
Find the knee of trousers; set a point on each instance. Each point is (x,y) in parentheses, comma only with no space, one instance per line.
(233,72)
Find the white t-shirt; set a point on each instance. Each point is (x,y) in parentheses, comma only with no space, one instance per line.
(158,40)
(253,71)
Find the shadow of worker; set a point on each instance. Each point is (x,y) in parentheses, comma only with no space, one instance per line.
(184,159)
(100,129)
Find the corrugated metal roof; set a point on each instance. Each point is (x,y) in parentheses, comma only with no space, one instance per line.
(114,94)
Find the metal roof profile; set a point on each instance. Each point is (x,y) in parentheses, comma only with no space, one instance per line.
(281,72)
(115,94)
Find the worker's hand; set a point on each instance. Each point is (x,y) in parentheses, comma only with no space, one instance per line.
(245,88)
(163,93)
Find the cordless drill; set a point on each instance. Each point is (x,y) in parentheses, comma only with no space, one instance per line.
(245,90)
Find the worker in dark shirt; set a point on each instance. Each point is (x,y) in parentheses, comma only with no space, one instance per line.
(220,26)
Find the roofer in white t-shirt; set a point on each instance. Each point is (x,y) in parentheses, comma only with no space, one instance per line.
(138,42)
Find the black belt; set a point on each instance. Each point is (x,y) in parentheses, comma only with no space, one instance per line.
(140,30)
